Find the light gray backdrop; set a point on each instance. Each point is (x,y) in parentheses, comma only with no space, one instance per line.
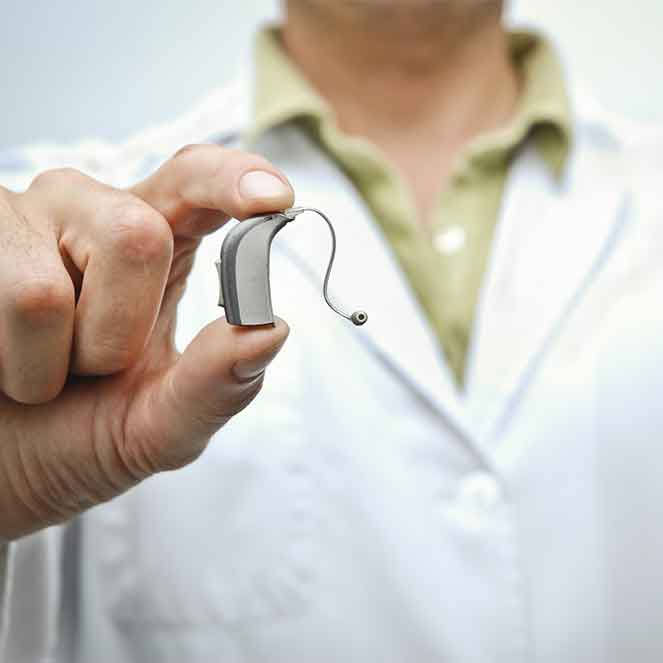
(107,68)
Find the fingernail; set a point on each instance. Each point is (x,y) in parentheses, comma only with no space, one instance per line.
(261,184)
(248,369)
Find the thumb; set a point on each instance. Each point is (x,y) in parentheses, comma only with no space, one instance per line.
(216,377)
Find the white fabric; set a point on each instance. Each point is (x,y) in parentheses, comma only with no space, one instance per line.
(360,510)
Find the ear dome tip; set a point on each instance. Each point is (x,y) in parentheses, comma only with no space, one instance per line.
(359,317)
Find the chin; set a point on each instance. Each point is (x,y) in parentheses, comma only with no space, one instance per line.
(400,5)
(349,7)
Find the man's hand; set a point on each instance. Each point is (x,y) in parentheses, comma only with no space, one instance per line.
(93,395)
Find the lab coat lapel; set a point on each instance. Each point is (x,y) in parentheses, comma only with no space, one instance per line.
(366,274)
(551,240)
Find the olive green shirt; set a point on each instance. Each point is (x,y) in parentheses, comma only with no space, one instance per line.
(446,260)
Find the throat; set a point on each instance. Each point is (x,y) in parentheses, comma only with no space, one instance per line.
(418,94)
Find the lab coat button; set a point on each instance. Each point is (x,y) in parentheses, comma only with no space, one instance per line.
(481,490)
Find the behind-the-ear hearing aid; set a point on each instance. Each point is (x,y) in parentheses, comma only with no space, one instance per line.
(243,269)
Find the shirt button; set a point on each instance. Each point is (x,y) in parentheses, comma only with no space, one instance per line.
(480,491)
(450,240)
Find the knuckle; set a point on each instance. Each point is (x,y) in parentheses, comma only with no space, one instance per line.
(220,157)
(42,300)
(33,393)
(139,234)
(256,161)
(7,211)
(5,196)
(46,392)
(241,160)
(56,177)
(112,349)
(107,356)
(187,150)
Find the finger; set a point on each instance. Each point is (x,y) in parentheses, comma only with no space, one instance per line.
(123,285)
(123,249)
(36,311)
(204,185)
(217,376)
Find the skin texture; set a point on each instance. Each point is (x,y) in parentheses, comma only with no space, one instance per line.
(94,397)
(443,66)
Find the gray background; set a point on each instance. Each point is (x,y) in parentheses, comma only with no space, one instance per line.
(106,69)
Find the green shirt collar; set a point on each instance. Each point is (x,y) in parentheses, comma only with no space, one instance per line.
(282,94)
(281,91)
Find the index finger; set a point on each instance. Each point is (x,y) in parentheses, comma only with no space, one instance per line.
(204,185)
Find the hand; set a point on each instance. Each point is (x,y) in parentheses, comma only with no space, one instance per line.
(93,395)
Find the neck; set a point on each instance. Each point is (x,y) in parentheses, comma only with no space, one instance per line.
(395,67)
(434,74)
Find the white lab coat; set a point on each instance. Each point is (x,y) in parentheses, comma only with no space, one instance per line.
(361,510)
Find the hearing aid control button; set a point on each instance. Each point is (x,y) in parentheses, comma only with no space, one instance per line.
(450,240)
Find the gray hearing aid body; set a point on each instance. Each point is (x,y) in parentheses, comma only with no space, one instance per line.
(243,269)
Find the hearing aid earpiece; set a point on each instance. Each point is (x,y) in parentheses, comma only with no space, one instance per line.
(243,269)
(359,318)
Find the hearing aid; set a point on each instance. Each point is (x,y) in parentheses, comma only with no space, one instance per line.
(243,269)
